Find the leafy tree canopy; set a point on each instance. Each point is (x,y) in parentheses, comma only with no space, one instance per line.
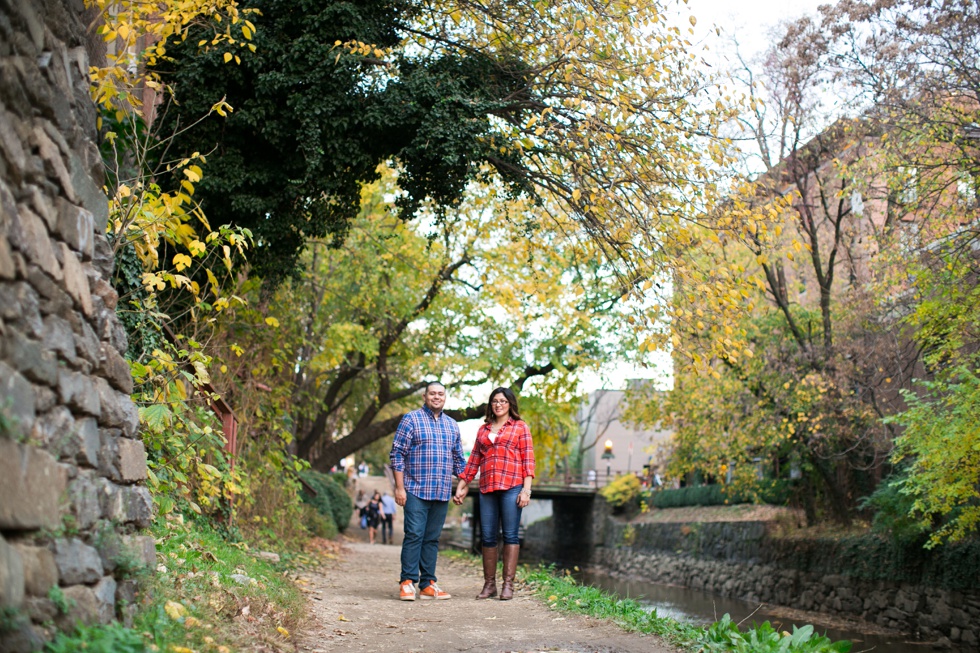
(587,108)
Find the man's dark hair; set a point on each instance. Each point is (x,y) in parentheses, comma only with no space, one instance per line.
(432,383)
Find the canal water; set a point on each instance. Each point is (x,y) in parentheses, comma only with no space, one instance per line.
(695,606)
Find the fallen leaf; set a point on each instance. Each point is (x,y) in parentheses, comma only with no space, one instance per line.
(282,631)
(342,618)
(175,610)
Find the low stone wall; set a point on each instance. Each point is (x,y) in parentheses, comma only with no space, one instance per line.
(744,560)
(71,465)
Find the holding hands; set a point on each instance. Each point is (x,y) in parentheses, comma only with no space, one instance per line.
(461,491)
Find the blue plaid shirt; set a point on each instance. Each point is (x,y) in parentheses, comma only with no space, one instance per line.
(429,452)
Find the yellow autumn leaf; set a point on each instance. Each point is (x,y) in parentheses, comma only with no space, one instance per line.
(174,609)
(227,57)
(182,261)
(271,321)
(282,631)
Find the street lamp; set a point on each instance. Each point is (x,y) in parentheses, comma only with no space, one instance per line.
(607,455)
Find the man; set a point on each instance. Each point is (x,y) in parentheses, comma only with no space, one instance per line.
(426,453)
(388,520)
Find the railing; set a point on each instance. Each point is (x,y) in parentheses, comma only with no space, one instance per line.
(590,479)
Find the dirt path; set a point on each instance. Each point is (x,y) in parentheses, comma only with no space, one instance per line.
(354,606)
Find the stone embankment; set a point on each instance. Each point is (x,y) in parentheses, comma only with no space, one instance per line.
(72,467)
(748,560)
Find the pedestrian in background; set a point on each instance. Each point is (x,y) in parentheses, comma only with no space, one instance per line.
(503,454)
(388,520)
(425,455)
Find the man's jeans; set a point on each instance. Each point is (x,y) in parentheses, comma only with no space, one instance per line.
(420,548)
(497,507)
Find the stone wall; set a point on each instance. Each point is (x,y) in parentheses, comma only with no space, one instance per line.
(745,560)
(72,497)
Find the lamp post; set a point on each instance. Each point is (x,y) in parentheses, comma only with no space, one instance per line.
(607,455)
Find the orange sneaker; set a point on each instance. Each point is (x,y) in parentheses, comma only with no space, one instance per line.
(433,592)
(406,591)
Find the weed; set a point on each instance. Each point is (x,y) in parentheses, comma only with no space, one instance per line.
(62,602)
(564,593)
(113,638)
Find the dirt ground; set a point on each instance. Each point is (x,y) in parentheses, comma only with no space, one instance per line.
(354,606)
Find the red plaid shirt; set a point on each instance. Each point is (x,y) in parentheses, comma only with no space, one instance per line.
(503,463)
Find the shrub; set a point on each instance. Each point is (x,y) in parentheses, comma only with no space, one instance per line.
(776,493)
(318,524)
(622,491)
(331,499)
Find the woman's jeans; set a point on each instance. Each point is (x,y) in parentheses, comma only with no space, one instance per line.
(500,507)
(420,548)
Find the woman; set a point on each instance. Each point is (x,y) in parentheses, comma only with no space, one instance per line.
(504,456)
(373,512)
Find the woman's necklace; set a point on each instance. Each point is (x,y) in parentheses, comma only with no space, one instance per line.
(494,433)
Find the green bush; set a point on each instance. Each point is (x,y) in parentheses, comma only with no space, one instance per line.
(774,492)
(331,498)
(725,636)
(113,638)
(319,524)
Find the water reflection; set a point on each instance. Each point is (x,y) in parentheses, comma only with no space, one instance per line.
(699,607)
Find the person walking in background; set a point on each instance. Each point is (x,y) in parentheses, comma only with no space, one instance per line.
(425,455)
(503,454)
(388,520)
(374,513)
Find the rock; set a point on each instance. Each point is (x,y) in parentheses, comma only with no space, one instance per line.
(18,404)
(77,562)
(81,443)
(268,555)
(84,496)
(111,501)
(31,484)
(83,606)
(131,460)
(117,409)
(29,358)
(40,609)
(20,307)
(79,392)
(32,239)
(58,337)
(8,270)
(40,570)
(105,597)
(143,548)
(115,368)
(76,283)
(11,576)
(77,226)
(21,637)
(86,342)
(139,506)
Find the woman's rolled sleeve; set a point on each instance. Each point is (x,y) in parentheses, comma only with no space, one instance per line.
(527,451)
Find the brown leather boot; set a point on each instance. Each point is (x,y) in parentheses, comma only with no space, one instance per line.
(510,570)
(489,573)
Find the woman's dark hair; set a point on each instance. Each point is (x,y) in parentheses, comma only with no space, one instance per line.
(511,399)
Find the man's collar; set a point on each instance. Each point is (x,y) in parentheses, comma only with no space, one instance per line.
(426,408)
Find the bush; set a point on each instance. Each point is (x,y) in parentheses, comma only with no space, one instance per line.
(622,491)
(331,499)
(777,493)
(318,524)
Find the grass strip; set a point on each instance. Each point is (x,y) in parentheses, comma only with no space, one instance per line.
(208,594)
(563,593)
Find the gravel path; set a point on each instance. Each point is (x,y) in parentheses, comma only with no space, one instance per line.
(354,606)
